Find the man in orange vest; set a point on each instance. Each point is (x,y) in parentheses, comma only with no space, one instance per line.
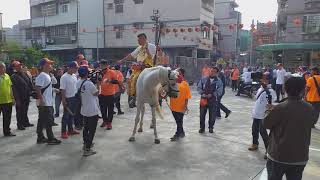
(106,98)
(234,77)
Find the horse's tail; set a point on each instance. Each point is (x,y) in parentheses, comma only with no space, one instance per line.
(159,112)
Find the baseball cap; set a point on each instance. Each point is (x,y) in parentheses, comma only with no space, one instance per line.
(15,63)
(83,70)
(45,61)
(73,64)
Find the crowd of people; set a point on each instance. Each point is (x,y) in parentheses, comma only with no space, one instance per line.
(89,92)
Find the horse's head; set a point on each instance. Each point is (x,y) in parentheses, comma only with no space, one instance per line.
(171,86)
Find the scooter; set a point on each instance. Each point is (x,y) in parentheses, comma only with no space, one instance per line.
(249,90)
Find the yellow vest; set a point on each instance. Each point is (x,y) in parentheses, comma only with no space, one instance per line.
(143,57)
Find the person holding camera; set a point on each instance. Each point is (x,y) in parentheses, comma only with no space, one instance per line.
(107,95)
(265,96)
(89,109)
(210,88)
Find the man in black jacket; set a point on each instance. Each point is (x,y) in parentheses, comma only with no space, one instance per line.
(22,88)
(290,125)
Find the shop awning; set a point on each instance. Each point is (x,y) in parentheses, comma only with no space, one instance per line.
(288,46)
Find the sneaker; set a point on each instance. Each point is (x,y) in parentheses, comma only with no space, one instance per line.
(211,131)
(237,94)
(9,135)
(182,135)
(42,140)
(54,124)
(103,124)
(108,126)
(29,125)
(89,152)
(228,114)
(73,132)
(201,131)
(79,128)
(120,113)
(21,128)
(64,135)
(84,146)
(54,141)
(114,112)
(174,137)
(253,147)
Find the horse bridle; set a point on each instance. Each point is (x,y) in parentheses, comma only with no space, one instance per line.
(170,89)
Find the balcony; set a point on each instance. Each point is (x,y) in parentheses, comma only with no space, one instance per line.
(312,4)
(37,2)
(208,5)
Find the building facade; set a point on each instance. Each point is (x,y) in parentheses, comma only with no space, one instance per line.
(229,22)
(124,20)
(299,28)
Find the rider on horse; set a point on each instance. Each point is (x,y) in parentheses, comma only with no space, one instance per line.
(144,54)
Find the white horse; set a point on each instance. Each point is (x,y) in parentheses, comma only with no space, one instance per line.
(147,91)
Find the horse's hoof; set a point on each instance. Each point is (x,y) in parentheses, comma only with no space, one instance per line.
(140,130)
(151,126)
(157,141)
(132,139)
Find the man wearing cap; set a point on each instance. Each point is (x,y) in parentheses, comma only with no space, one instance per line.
(6,100)
(106,98)
(144,55)
(22,88)
(44,91)
(68,89)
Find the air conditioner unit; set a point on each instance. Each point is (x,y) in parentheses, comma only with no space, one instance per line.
(52,41)
(73,38)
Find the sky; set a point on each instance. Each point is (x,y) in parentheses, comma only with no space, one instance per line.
(262,10)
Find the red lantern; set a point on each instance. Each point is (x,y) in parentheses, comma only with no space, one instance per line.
(231,26)
(252,26)
(297,21)
(84,30)
(206,28)
(199,41)
(168,30)
(240,26)
(175,30)
(190,29)
(269,24)
(209,46)
(197,29)
(116,29)
(182,30)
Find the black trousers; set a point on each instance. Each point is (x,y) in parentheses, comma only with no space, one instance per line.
(22,107)
(6,110)
(257,128)
(45,121)
(279,90)
(117,102)
(89,130)
(178,116)
(221,107)
(234,85)
(277,170)
(316,107)
(212,108)
(107,106)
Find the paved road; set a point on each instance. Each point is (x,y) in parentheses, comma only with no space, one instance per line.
(221,156)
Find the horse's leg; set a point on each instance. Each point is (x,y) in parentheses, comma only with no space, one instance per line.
(141,119)
(156,139)
(132,138)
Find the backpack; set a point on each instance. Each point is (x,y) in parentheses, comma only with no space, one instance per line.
(78,101)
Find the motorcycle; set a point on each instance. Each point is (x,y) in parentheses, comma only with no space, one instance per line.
(249,89)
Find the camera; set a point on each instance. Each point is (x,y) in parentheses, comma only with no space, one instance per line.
(95,76)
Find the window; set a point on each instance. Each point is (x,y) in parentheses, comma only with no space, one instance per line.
(119,31)
(138,1)
(118,1)
(49,9)
(311,23)
(28,34)
(110,6)
(138,25)
(119,8)
(64,8)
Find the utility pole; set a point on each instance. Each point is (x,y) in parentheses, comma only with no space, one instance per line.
(156,19)
(1,30)
(97,44)
(251,44)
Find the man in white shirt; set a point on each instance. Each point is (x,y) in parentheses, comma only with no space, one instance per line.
(265,96)
(45,103)
(68,89)
(89,109)
(281,74)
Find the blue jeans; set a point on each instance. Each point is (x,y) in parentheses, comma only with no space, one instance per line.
(67,118)
(277,170)
(57,102)
(212,115)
